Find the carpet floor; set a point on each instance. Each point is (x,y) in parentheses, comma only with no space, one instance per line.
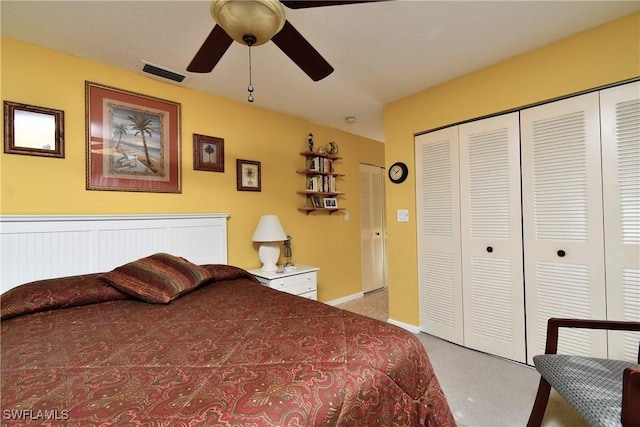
(482,390)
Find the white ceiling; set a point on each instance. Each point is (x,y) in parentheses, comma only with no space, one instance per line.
(381,52)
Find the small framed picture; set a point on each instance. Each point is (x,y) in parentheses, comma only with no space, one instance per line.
(330,203)
(208,153)
(248,175)
(33,131)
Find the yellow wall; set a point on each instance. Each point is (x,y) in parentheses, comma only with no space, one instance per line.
(39,185)
(603,55)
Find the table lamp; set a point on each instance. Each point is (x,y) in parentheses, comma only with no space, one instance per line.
(269,232)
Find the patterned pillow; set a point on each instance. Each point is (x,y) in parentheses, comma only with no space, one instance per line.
(159,278)
(61,292)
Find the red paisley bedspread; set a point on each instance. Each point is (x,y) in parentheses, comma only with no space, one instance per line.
(230,353)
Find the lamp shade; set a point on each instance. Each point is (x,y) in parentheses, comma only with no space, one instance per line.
(260,18)
(269,230)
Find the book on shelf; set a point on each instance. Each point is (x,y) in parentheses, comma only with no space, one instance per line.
(320,164)
(322,183)
(314,164)
(313,184)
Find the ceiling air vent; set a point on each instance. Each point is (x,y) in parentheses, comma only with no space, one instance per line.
(161,72)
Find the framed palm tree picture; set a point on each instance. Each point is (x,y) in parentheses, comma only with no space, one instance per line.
(248,176)
(133,141)
(208,153)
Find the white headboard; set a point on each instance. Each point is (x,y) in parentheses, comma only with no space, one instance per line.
(43,247)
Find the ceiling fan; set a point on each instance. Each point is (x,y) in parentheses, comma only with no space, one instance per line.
(255,22)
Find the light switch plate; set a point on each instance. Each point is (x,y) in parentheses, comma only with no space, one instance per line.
(403,215)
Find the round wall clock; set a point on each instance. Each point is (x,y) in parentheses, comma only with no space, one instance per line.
(398,172)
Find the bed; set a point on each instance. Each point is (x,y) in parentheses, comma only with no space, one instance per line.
(79,350)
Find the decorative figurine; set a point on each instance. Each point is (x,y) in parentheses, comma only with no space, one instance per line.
(310,138)
(332,148)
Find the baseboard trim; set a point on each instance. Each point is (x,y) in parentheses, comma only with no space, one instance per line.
(411,328)
(345,299)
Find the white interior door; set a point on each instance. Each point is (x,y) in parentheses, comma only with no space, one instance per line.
(372,227)
(620,115)
(491,219)
(438,231)
(563,222)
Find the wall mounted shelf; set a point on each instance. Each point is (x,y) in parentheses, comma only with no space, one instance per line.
(320,182)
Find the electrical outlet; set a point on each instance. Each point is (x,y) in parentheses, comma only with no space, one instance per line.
(346,216)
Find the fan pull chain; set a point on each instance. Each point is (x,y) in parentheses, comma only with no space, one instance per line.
(250,88)
(250,40)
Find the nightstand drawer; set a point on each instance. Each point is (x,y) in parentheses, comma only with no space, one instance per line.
(301,288)
(311,295)
(294,281)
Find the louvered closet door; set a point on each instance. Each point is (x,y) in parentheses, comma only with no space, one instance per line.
(562,220)
(372,227)
(492,276)
(620,115)
(438,223)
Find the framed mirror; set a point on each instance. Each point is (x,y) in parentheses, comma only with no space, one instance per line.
(33,131)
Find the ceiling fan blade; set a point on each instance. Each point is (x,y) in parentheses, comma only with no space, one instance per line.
(302,4)
(296,47)
(215,45)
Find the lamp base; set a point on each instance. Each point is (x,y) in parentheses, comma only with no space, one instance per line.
(269,253)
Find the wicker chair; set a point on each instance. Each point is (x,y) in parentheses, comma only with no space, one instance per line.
(604,392)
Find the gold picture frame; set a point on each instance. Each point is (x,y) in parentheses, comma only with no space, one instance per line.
(133,141)
(33,131)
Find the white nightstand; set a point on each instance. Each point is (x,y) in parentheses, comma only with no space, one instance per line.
(302,281)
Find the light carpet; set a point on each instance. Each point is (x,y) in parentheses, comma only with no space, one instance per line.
(482,390)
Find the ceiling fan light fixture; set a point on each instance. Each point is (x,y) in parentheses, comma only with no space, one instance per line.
(260,18)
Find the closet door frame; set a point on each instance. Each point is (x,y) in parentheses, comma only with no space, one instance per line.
(615,296)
